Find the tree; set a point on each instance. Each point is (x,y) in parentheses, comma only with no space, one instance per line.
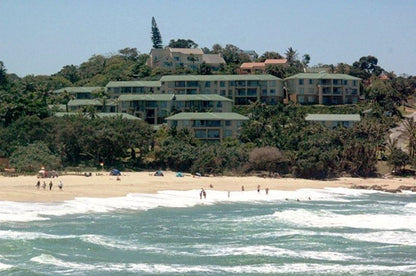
(291,55)
(32,157)
(306,59)
(409,133)
(3,75)
(156,36)
(365,67)
(182,43)
(398,159)
(265,158)
(269,55)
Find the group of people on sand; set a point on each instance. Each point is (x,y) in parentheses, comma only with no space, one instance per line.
(60,185)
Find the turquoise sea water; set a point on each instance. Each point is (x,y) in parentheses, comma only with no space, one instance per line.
(336,232)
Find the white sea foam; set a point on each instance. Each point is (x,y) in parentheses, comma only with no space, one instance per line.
(250,269)
(384,237)
(21,212)
(4,267)
(324,219)
(272,251)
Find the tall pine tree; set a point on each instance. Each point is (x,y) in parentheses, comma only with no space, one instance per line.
(156,37)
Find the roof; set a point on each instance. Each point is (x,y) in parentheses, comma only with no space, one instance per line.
(217,77)
(101,115)
(333,117)
(322,75)
(213,58)
(133,84)
(95,102)
(169,97)
(187,51)
(249,65)
(207,116)
(275,61)
(79,89)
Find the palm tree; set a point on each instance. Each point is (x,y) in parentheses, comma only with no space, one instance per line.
(291,55)
(409,132)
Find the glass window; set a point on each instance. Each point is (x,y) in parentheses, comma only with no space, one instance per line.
(300,81)
(207,84)
(310,81)
(227,123)
(228,133)
(222,83)
(213,133)
(200,133)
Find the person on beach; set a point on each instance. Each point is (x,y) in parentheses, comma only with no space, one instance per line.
(267,191)
(242,188)
(38,185)
(44,185)
(60,185)
(202,193)
(50,185)
(258,188)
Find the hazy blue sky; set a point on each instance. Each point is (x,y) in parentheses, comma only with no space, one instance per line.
(42,36)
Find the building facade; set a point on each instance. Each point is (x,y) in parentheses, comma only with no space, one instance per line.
(177,58)
(207,126)
(117,88)
(241,89)
(79,93)
(334,120)
(260,67)
(322,88)
(156,107)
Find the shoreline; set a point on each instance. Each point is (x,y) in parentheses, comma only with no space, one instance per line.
(23,188)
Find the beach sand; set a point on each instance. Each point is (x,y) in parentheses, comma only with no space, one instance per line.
(22,188)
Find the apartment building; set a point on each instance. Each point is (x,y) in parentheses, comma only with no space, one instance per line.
(241,89)
(334,120)
(207,126)
(154,108)
(117,88)
(100,105)
(322,88)
(79,93)
(260,67)
(175,58)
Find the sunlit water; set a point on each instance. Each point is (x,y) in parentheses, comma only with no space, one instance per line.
(336,232)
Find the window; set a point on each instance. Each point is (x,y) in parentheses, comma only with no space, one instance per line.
(301,99)
(311,90)
(207,84)
(272,83)
(200,133)
(300,81)
(222,92)
(310,81)
(213,133)
(251,92)
(227,123)
(272,92)
(301,91)
(228,133)
(222,83)
(354,83)
(176,58)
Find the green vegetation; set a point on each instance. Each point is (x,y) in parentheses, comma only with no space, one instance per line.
(276,138)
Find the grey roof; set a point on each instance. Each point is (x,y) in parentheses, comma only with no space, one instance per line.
(333,117)
(322,75)
(207,116)
(94,102)
(133,84)
(101,115)
(169,97)
(187,51)
(213,59)
(217,77)
(79,89)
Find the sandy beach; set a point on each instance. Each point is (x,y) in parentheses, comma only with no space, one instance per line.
(23,189)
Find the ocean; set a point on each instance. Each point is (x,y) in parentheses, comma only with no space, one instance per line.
(332,231)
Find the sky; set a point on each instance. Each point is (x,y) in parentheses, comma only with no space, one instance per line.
(39,37)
